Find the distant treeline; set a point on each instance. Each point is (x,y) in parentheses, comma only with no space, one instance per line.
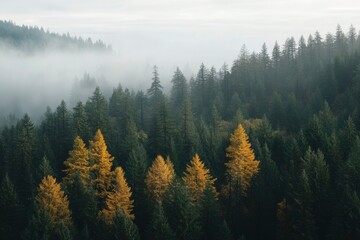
(32,39)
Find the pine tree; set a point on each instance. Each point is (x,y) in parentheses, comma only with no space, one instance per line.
(45,168)
(124,227)
(158,178)
(102,162)
(189,139)
(155,91)
(63,134)
(197,178)
(179,92)
(97,112)
(80,122)
(78,163)
(159,227)
(11,218)
(183,215)
(213,223)
(242,165)
(118,199)
(25,149)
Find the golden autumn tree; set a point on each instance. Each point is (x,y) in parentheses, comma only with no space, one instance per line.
(197,178)
(159,177)
(102,162)
(52,201)
(242,165)
(118,199)
(77,165)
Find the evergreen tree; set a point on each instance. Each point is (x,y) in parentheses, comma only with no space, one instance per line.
(80,122)
(124,227)
(45,168)
(159,227)
(155,92)
(183,215)
(25,150)
(179,92)
(12,217)
(97,112)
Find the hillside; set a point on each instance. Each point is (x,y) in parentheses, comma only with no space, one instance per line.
(29,38)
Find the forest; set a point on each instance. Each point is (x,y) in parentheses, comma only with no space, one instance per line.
(31,39)
(267,148)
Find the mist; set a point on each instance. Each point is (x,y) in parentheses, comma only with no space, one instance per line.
(32,81)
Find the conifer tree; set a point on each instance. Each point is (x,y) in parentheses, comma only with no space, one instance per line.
(179,92)
(158,178)
(11,220)
(102,162)
(197,178)
(45,168)
(242,165)
(80,122)
(159,227)
(118,199)
(53,202)
(52,217)
(25,149)
(78,163)
(124,227)
(97,112)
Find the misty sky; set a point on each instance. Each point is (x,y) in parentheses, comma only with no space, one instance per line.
(174,32)
(143,33)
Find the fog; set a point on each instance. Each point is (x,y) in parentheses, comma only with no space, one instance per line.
(29,82)
(165,33)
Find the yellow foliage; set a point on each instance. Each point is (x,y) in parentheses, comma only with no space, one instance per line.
(78,163)
(170,165)
(197,178)
(242,165)
(52,200)
(118,199)
(159,177)
(102,162)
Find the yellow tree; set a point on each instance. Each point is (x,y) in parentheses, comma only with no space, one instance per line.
(197,178)
(77,164)
(102,162)
(242,165)
(159,177)
(53,202)
(118,199)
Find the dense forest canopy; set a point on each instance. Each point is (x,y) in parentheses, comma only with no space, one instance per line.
(267,148)
(32,39)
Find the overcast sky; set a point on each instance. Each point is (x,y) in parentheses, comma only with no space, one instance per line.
(184,32)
